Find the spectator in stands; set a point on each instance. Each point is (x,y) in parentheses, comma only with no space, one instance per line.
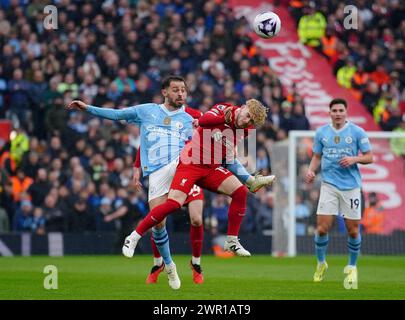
(7,163)
(79,219)
(19,145)
(299,119)
(359,81)
(6,200)
(55,219)
(391,118)
(30,163)
(23,217)
(329,44)
(4,221)
(69,85)
(311,26)
(386,104)
(346,73)
(18,89)
(371,96)
(373,219)
(20,184)
(40,188)
(38,221)
(103,216)
(286,120)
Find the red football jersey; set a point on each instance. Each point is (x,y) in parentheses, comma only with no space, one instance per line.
(214,139)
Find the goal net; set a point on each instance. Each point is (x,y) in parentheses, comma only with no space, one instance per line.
(383,196)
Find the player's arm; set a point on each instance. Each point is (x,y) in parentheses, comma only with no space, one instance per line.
(313,166)
(196,114)
(365,158)
(106,113)
(316,158)
(364,146)
(216,117)
(136,179)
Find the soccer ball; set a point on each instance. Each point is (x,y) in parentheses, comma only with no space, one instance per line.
(267,24)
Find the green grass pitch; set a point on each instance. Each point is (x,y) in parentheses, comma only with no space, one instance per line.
(259,277)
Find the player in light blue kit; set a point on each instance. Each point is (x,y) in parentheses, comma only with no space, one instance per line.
(165,128)
(336,148)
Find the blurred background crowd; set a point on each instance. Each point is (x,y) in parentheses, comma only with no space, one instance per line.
(70,172)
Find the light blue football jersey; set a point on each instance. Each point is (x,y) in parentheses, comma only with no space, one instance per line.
(163,133)
(333,145)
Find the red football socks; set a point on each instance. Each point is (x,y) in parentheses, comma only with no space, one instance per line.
(196,239)
(155,250)
(237,210)
(157,215)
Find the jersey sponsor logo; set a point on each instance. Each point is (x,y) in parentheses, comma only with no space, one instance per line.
(364,140)
(162,132)
(183,182)
(348,140)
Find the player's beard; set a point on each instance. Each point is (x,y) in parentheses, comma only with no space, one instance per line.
(177,104)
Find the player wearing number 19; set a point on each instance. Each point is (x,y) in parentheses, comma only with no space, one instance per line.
(336,148)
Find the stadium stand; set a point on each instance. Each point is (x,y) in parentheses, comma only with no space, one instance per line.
(115,57)
(61,164)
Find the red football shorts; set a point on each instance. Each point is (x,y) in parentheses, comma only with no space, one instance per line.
(187,175)
(196,193)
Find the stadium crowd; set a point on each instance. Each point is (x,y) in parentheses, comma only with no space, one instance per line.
(66,171)
(367,55)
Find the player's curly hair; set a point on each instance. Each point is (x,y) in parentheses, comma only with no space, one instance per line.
(257,111)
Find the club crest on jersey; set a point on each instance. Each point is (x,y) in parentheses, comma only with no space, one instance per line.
(166,121)
(337,139)
(179,125)
(348,140)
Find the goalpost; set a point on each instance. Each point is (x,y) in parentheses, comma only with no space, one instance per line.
(285,167)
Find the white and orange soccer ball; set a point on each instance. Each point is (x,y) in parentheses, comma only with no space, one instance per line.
(267,24)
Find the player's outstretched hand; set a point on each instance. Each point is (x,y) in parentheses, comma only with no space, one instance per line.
(77,105)
(310,176)
(347,161)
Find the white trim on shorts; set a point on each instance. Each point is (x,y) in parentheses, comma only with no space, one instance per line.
(346,203)
(160,180)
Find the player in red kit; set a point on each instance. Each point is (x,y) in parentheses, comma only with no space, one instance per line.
(200,164)
(194,202)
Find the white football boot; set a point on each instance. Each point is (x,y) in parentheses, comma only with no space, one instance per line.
(174,280)
(129,246)
(232,244)
(260,182)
